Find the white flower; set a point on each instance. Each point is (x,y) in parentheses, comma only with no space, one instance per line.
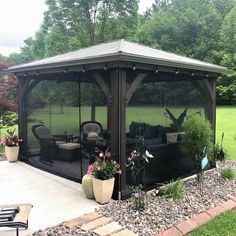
(148,154)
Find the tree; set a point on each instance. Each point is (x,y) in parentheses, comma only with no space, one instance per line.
(72,24)
(8,97)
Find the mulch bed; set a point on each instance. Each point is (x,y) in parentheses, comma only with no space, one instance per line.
(161,214)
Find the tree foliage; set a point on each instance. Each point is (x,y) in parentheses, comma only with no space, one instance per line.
(203,29)
(8,97)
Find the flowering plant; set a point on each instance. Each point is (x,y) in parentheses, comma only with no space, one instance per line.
(11,139)
(104,168)
(138,197)
(137,160)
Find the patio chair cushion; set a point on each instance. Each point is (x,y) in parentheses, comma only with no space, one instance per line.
(43,132)
(92,136)
(69,146)
(91,128)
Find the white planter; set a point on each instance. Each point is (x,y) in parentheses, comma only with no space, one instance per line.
(12,153)
(87,186)
(103,190)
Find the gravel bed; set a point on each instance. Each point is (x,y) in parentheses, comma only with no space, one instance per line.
(161,214)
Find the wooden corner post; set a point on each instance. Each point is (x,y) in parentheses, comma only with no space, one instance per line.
(117,126)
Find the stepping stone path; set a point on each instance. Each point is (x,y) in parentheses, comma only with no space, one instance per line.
(102,226)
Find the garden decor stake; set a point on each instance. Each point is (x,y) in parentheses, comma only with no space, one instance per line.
(137,164)
(203,163)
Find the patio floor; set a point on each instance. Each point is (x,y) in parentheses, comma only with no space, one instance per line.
(54,199)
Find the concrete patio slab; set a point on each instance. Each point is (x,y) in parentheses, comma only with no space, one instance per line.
(54,199)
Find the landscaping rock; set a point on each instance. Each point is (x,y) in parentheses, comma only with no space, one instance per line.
(161,214)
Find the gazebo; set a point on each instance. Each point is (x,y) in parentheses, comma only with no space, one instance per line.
(117,68)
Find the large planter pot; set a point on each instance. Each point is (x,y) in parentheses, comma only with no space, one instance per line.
(87,186)
(12,153)
(103,190)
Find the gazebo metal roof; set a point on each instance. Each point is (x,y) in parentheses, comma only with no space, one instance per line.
(120,50)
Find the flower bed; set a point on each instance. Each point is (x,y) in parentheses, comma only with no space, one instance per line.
(161,214)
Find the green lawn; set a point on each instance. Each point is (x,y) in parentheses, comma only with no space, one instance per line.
(68,121)
(223,225)
(226,122)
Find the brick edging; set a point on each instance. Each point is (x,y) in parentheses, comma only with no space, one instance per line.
(185,227)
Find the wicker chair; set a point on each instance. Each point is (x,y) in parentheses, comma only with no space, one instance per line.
(48,142)
(91,131)
(91,134)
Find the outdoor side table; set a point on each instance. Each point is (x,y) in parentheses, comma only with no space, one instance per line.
(21,218)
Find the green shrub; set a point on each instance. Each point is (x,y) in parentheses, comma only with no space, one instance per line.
(198,136)
(174,190)
(228,173)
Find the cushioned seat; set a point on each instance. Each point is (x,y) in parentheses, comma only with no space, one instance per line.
(69,146)
(68,151)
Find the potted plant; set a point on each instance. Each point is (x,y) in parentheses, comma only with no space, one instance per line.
(11,143)
(176,125)
(104,171)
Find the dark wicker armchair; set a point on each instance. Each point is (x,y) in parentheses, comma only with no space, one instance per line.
(48,142)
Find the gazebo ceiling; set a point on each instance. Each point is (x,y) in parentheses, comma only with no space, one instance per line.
(119,51)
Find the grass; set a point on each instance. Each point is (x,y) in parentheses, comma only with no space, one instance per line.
(222,225)
(226,122)
(68,121)
(228,173)
(174,190)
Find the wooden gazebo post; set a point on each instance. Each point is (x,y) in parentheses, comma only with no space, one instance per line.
(118,124)
(22,111)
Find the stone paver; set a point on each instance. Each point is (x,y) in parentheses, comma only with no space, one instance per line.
(124,232)
(108,229)
(82,219)
(202,218)
(187,226)
(229,205)
(213,212)
(96,223)
(170,232)
(234,199)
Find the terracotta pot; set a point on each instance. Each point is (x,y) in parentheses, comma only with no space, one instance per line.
(103,190)
(12,153)
(87,186)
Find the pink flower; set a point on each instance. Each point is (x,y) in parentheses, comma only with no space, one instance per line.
(137,194)
(90,170)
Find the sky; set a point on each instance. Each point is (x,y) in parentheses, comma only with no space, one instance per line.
(20,19)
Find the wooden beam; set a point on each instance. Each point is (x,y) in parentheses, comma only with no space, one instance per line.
(131,89)
(104,86)
(209,88)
